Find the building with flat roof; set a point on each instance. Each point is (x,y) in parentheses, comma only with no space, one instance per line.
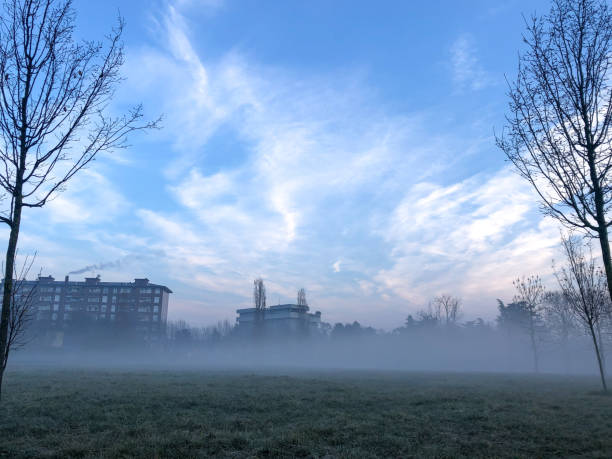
(140,307)
(282,319)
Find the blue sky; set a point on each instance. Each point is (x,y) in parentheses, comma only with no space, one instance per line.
(345,147)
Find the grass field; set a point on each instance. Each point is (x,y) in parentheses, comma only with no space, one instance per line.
(96,413)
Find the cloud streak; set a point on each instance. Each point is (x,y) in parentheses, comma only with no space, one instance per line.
(468,72)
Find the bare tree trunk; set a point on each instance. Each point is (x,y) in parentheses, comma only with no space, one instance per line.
(17,204)
(605,255)
(602,351)
(599,359)
(602,229)
(9,264)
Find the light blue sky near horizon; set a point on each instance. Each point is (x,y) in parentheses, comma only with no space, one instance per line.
(343,147)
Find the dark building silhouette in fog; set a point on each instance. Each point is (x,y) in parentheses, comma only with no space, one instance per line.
(289,319)
(139,307)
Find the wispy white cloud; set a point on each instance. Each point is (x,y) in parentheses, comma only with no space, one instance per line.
(90,199)
(471,238)
(468,72)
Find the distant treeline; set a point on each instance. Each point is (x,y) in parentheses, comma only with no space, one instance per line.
(431,339)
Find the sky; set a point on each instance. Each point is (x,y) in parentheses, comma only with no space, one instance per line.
(345,147)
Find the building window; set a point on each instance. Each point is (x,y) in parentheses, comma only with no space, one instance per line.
(104,299)
(125,290)
(156,299)
(93,300)
(58,289)
(54,316)
(155,318)
(57,297)
(112,317)
(113,308)
(155,308)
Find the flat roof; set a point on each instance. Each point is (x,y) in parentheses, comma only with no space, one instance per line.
(46,280)
(273,308)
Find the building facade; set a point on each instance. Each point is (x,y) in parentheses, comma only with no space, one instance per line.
(282,319)
(138,307)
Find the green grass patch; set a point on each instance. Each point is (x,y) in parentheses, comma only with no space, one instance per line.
(94,413)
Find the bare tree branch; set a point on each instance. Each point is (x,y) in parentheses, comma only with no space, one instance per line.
(560,111)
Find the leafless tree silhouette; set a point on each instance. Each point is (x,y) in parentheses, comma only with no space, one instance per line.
(531,292)
(584,286)
(449,306)
(54,96)
(259,300)
(558,129)
(301,297)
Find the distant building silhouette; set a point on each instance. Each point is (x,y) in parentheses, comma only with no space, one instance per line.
(138,308)
(290,319)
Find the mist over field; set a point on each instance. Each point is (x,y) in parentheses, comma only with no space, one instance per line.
(455,350)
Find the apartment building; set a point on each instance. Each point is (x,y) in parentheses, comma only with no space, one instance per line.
(139,306)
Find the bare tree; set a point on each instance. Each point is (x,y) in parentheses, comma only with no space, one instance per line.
(259,294)
(558,130)
(584,286)
(21,312)
(259,300)
(301,297)
(531,293)
(449,306)
(54,95)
